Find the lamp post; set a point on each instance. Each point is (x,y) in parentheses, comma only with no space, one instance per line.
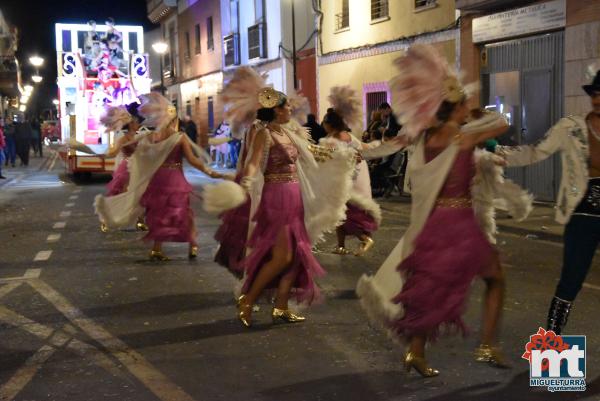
(161,48)
(294,47)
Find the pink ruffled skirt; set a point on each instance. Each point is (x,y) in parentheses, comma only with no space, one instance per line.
(232,236)
(120,180)
(167,202)
(449,253)
(281,208)
(358,221)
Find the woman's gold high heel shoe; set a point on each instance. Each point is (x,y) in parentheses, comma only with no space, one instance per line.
(158,255)
(141,226)
(420,365)
(244,311)
(286,315)
(340,250)
(365,246)
(103,228)
(193,253)
(491,355)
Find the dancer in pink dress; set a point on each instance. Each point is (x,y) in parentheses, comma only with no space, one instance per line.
(363,215)
(422,287)
(117,119)
(166,199)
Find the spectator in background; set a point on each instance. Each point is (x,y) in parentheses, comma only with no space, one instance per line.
(374,125)
(10,150)
(23,137)
(36,137)
(2,147)
(389,124)
(189,126)
(316,131)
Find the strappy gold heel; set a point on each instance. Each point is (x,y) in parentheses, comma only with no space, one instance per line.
(492,355)
(159,256)
(286,315)
(365,246)
(340,250)
(103,228)
(193,253)
(244,311)
(419,364)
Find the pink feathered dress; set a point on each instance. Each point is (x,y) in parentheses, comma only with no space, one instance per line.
(120,177)
(281,208)
(232,234)
(167,202)
(449,253)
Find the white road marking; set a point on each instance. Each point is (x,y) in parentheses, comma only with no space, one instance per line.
(70,204)
(42,255)
(591,286)
(23,376)
(154,380)
(65,214)
(4,290)
(73,197)
(76,191)
(53,238)
(60,224)
(32,273)
(53,161)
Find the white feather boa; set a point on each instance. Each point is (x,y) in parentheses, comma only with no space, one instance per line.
(367,204)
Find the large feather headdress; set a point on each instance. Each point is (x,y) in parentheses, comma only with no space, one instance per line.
(240,97)
(423,82)
(346,104)
(300,106)
(116,118)
(157,111)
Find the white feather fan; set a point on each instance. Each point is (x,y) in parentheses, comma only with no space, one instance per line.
(222,196)
(345,102)
(115,118)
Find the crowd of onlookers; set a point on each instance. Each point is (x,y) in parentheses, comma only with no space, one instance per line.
(387,174)
(17,139)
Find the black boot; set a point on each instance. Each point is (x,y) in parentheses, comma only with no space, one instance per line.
(558,314)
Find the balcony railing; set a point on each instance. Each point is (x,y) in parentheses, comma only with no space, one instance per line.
(9,76)
(342,20)
(257,41)
(158,9)
(231,49)
(425,3)
(379,9)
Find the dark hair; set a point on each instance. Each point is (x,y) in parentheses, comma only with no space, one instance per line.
(335,120)
(267,114)
(310,118)
(132,108)
(111,20)
(384,106)
(376,134)
(446,108)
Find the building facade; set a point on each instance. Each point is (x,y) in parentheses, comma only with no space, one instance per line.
(531,58)
(361,38)
(259,33)
(10,77)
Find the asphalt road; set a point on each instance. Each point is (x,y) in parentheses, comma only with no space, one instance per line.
(93,319)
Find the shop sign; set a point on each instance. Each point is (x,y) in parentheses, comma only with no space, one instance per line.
(521,21)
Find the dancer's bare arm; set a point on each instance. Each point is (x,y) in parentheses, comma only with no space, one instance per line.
(197,163)
(257,150)
(114,151)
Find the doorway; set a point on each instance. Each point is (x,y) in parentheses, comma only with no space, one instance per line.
(523,79)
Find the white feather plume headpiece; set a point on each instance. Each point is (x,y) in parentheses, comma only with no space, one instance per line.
(300,107)
(157,110)
(240,97)
(346,104)
(423,82)
(116,118)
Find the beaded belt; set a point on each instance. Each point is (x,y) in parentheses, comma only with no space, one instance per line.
(171,165)
(455,203)
(281,177)
(590,203)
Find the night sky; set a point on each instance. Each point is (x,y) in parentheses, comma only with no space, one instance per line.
(35,20)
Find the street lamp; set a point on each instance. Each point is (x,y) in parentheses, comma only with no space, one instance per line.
(22,108)
(55,102)
(36,61)
(161,48)
(28,89)
(36,78)
(24,99)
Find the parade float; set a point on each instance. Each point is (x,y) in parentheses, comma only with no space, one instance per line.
(99,66)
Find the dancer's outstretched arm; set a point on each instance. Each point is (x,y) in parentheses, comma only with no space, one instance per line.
(197,163)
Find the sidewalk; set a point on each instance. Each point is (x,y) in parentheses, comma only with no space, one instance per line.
(36,163)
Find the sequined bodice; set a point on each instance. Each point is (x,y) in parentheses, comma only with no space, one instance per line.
(460,176)
(282,158)
(176,155)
